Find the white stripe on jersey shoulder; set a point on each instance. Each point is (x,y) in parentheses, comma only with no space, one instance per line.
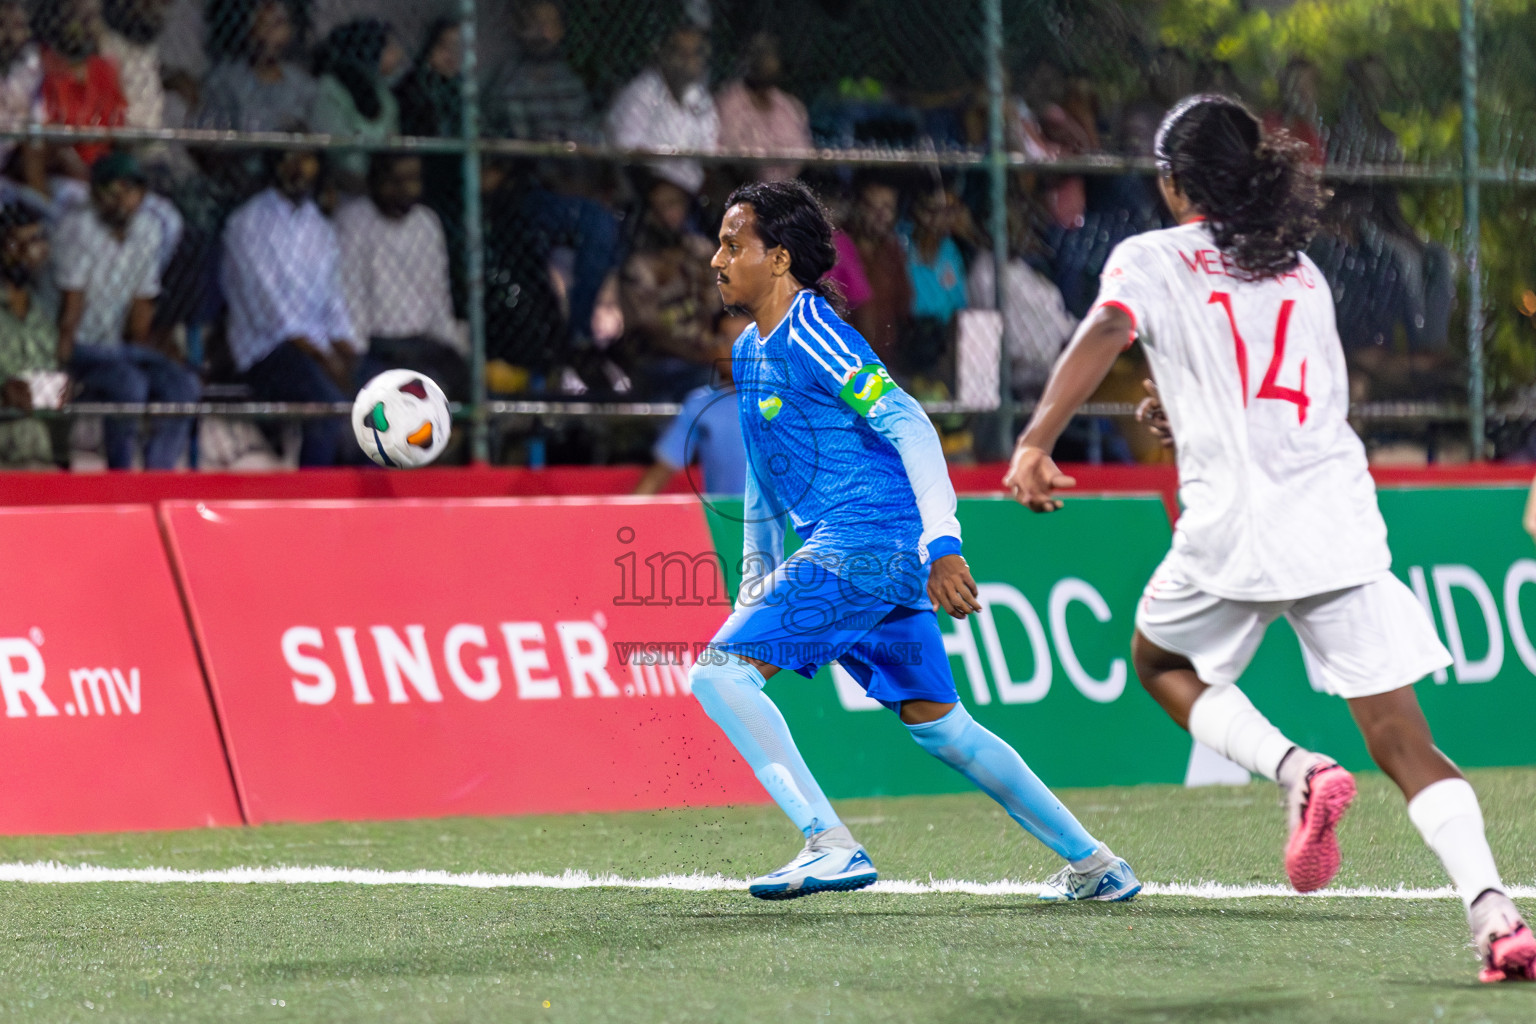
(836,334)
(842,373)
(803,327)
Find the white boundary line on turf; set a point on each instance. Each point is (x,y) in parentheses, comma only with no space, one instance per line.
(53,873)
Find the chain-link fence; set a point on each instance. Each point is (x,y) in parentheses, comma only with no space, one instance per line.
(220,216)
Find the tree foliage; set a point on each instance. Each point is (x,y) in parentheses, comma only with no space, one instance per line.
(1418,44)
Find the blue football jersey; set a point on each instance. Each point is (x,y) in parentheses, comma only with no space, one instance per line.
(810,393)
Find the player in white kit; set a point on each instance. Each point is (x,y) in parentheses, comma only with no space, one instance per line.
(1279,510)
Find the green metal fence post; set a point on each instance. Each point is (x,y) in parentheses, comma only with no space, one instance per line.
(1472,241)
(997,168)
(474,261)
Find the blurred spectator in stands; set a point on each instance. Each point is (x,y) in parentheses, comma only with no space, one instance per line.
(1394,290)
(29,338)
(80,86)
(1084,220)
(1128,203)
(394,272)
(354,65)
(289,332)
(1170,76)
(537,96)
(1066,120)
(1021,128)
(864,112)
(756,114)
(1394,293)
(578,242)
(429,95)
(937,273)
(430,105)
(884,317)
(707,430)
(260,90)
(1298,112)
(1361,136)
(1073,121)
(668,105)
(21,93)
(847,273)
(524,325)
(130,42)
(669,293)
(1036,323)
(106,265)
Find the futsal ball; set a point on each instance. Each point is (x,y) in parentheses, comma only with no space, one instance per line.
(401,419)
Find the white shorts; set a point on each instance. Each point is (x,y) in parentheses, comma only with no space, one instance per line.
(1356,642)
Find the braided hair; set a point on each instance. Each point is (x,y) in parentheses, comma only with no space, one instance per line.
(789,214)
(1258,192)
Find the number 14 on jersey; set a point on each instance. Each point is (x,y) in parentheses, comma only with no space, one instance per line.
(1269,387)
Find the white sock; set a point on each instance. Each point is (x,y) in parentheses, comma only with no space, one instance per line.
(1226,721)
(1448,817)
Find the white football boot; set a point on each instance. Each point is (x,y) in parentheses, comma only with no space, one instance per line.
(1114,882)
(832,861)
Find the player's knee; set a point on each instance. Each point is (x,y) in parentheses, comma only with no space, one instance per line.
(919,712)
(943,736)
(712,679)
(1149,660)
(704,683)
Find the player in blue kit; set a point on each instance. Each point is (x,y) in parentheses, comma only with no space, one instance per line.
(847,457)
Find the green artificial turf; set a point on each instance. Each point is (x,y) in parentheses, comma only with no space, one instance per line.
(214,952)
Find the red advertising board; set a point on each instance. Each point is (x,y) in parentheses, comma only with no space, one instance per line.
(107,723)
(418,658)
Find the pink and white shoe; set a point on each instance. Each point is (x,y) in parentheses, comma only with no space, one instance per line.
(1315,802)
(1503,940)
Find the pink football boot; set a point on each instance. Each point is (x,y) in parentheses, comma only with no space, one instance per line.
(1503,941)
(1314,805)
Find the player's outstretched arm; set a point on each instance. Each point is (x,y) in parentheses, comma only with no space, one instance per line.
(1033,477)
(898,418)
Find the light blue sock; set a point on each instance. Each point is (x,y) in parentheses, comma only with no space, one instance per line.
(965,745)
(732,694)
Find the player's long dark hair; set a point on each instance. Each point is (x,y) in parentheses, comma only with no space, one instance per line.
(789,214)
(1258,192)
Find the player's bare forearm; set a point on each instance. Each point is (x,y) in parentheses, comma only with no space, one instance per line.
(1033,478)
(1081,369)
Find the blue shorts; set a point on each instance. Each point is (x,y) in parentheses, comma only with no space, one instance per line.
(805,616)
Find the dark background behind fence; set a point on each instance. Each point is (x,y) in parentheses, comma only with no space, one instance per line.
(176,281)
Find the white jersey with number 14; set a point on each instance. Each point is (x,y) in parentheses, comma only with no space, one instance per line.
(1278,502)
